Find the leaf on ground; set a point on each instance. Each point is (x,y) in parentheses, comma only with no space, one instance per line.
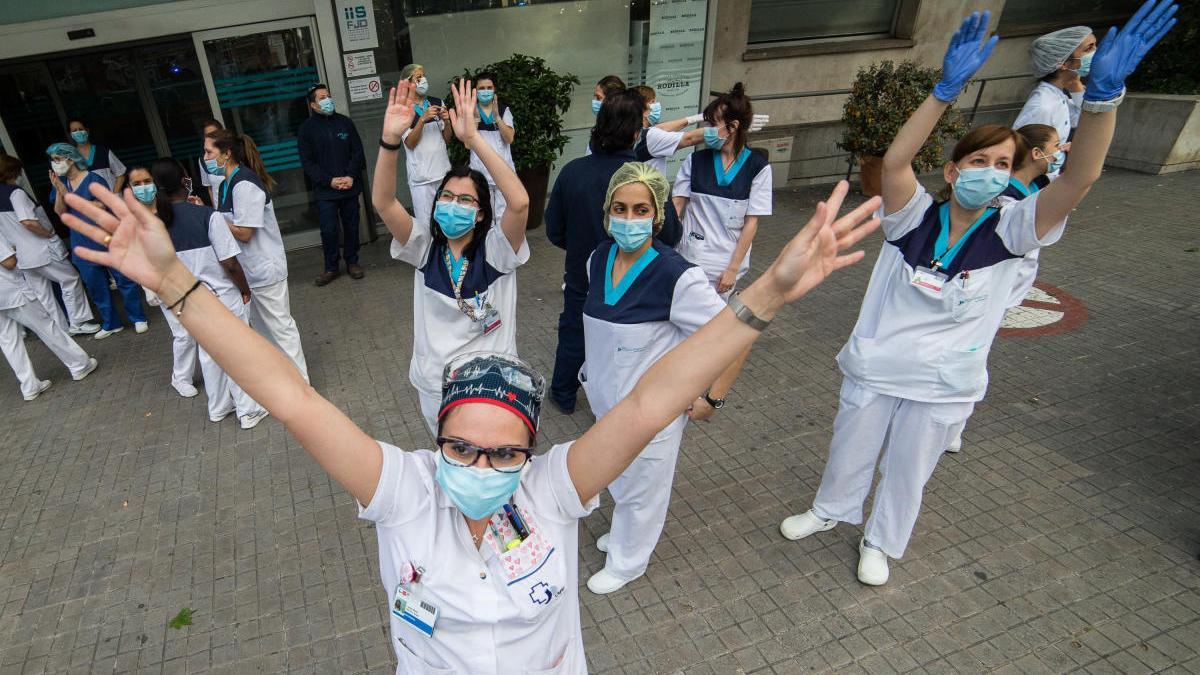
(183,618)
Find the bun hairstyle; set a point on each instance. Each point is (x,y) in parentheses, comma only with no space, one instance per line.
(1029,137)
(732,106)
(243,150)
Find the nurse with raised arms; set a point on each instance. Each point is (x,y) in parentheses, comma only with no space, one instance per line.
(916,362)
(478,538)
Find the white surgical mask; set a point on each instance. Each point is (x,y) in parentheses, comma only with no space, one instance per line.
(60,166)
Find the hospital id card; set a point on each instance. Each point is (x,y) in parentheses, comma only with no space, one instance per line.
(408,606)
(490,320)
(929,280)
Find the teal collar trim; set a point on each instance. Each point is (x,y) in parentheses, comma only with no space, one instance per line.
(225,185)
(725,178)
(613,295)
(943,257)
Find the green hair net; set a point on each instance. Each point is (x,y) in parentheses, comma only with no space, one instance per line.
(410,69)
(639,172)
(1052,50)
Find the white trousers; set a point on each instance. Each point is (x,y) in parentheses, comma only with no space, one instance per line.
(640,498)
(223,393)
(912,435)
(34,316)
(270,313)
(430,405)
(74,295)
(498,203)
(423,197)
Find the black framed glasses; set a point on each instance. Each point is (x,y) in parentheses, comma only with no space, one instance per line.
(463,199)
(505,459)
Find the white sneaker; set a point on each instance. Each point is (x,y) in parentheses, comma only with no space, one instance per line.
(872,565)
(141,327)
(42,386)
(605,582)
(955,445)
(250,421)
(185,389)
(602,543)
(86,328)
(92,365)
(101,334)
(220,416)
(801,526)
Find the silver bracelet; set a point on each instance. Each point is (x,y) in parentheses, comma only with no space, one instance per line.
(746,315)
(1103,106)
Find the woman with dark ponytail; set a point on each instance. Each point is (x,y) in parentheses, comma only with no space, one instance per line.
(244,198)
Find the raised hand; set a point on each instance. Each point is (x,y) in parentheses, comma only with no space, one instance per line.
(462,115)
(1120,52)
(138,243)
(968,50)
(816,251)
(398,116)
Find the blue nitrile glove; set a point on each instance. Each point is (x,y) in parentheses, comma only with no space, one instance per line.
(964,56)
(1121,51)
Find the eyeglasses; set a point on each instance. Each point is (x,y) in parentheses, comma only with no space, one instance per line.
(505,459)
(463,199)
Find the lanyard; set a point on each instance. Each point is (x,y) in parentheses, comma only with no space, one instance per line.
(613,294)
(942,257)
(225,188)
(456,283)
(485,118)
(724,178)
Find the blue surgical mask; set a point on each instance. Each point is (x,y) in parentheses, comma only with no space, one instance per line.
(454,218)
(1085,63)
(630,234)
(145,193)
(79,136)
(486,96)
(326,106)
(477,492)
(596,103)
(1055,161)
(422,86)
(211,166)
(974,188)
(712,138)
(655,113)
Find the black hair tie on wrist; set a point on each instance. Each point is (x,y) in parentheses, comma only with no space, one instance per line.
(388,146)
(181,301)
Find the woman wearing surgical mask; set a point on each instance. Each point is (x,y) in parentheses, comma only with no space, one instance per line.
(607,86)
(495,122)
(100,160)
(69,175)
(916,363)
(426,158)
(1062,60)
(208,180)
(660,140)
(721,191)
(478,538)
(464,283)
(643,300)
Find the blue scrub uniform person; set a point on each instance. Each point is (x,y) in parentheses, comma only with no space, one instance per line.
(69,174)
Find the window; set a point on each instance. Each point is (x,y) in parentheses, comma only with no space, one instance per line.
(1034,17)
(791,20)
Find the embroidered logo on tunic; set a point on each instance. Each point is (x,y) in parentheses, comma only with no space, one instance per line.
(542,593)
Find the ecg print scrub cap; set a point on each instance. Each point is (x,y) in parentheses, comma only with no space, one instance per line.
(496,379)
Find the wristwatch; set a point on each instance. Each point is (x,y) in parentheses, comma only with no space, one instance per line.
(716,403)
(746,315)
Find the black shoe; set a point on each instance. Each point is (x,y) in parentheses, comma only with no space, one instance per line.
(564,408)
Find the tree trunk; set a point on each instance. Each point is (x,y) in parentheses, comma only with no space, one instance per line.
(870,175)
(537,183)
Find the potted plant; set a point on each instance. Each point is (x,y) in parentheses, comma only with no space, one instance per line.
(538,97)
(881,100)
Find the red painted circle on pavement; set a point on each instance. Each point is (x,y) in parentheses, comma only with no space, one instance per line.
(1046,310)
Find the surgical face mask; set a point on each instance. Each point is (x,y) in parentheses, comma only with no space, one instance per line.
(326,106)
(422,86)
(974,188)
(630,234)
(477,492)
(655,113)
(213,168)
(1085,64)
(454,218)
(712,138)
(1054,162)
(145,193)
(79,136)
(60,166)
(486,96)
(596,103)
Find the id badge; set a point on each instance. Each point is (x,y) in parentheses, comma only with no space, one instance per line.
(408,606)
(490,321)
(928,280)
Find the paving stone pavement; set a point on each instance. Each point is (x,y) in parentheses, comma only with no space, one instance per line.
(1064,537)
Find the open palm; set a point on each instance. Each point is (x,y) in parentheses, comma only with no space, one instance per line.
(138,243)
(398,117)
(462,116)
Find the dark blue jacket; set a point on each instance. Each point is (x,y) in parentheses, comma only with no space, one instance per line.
(575,213)
(330,147)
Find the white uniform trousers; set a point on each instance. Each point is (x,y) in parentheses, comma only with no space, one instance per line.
(423,197)
(271,315)
(74,296)
(913,436)
(498,203)
(35,317)
(640,498)
(430,405)
(223,393)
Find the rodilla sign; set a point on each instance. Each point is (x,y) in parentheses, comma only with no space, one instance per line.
(356,23)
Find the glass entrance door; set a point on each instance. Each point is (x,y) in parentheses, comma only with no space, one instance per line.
(259,75)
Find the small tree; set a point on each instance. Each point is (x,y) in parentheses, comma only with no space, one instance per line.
(882,98)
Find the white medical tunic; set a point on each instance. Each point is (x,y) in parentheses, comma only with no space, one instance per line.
(719,202)
(244,201)
(32,251)
(490,131)
(104,162)
(14,290)
(441,329)
(913,343)
(499,613)
(202,240)
(1048,104)
(429,161)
